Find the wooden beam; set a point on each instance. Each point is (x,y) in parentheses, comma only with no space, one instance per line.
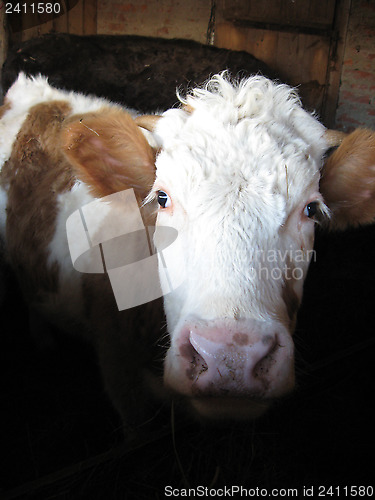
(90,12)
(75,19)
(60,24)
(3,41)
(337,50)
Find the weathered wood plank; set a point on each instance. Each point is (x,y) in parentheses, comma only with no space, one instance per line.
(60,24)
(90,11)
(304,13)
(75,19)
(300,59)
(335,63)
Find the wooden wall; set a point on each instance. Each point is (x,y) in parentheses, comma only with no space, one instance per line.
(304,40)
(78,17)
(356,106)
(160,18)
(3,36)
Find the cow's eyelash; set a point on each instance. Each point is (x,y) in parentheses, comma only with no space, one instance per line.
(323,212)
(152,195)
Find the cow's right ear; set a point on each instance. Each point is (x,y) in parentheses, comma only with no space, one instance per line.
(109,152)
(348,181)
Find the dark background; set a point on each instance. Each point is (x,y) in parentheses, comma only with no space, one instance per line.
(61,438)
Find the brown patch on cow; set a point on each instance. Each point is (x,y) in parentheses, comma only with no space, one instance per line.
(348,181)
(4,108)
(109,152)
(35,174)
(292,303)
(241,338)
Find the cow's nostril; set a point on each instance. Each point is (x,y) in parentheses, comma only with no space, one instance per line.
(264,365)
(196,363)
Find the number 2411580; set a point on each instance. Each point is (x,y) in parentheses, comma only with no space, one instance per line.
(346,491)
(33,8)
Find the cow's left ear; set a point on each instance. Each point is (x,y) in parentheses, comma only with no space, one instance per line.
(348,181)
(109,152)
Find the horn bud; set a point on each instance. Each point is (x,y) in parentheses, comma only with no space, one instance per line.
(148,122)
(334,137)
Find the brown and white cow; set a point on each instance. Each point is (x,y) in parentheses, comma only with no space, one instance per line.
(237,172)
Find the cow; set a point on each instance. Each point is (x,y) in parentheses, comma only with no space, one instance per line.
(138,72)
(238,172)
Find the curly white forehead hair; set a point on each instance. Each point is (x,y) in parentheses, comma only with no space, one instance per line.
(250,134)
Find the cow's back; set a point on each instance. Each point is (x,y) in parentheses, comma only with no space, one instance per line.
(139,72)
(39,190)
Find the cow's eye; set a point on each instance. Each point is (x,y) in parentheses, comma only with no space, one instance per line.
(311,209)
(163,199)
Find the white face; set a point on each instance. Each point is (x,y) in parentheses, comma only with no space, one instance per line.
(243,196)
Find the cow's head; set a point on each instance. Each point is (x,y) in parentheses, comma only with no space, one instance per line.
(238,175)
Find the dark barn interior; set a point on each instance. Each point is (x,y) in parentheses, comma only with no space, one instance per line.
(60,436)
